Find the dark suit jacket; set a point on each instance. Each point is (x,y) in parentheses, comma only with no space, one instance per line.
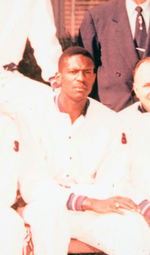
(105,32)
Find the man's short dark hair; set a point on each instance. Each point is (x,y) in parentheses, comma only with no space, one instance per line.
(72,51)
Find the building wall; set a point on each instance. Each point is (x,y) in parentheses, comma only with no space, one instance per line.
(69,14)
(74,11)
(59,16)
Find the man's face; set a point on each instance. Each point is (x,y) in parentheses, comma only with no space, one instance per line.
(139,1)
(76,77)
(142,85)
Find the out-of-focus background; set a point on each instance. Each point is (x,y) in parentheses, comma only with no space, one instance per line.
(69,14)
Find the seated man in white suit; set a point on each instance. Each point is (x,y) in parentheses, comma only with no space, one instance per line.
(136,122)
(87,158)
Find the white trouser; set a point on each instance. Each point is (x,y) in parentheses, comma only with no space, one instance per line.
(52,226)
(112,233)
(12,232)
(46,214)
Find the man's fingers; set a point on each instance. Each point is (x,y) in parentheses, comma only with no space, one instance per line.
(125,203)
(118,211)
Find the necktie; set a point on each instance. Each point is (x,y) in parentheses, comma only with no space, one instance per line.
(140,32)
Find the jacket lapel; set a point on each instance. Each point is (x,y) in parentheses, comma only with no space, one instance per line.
(124,39)
(147,48)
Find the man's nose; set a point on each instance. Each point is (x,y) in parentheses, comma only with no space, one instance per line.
(81,75)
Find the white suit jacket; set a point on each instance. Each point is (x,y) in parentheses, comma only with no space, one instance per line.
(137,125)
(88,156)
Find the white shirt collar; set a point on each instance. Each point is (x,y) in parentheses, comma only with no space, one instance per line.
(131,5)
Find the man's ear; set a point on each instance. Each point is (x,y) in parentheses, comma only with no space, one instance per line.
(58,78)
(135,89)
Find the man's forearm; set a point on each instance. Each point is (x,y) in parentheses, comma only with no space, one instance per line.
(110,205)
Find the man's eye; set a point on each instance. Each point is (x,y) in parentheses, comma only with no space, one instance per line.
(88,71)
(73,71)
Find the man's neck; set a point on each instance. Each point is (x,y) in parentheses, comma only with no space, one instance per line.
(73,108)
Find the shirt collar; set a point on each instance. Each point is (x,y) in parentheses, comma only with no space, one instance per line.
(146,7)
(131,5)
(141,108)
(61,109)
(86,107)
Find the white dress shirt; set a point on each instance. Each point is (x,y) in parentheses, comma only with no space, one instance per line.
(132,13)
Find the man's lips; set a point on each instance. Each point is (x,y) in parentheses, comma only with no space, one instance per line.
(80,87)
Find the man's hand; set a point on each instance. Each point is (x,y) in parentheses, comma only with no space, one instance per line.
(110,205)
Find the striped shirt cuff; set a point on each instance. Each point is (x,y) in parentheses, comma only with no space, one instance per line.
(144,207)
(74,202)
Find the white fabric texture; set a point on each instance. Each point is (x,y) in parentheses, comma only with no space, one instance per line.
(12,230)
(33,19)
(90,145)
(84,159)
(10,160)
(137,125)
(103,169)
